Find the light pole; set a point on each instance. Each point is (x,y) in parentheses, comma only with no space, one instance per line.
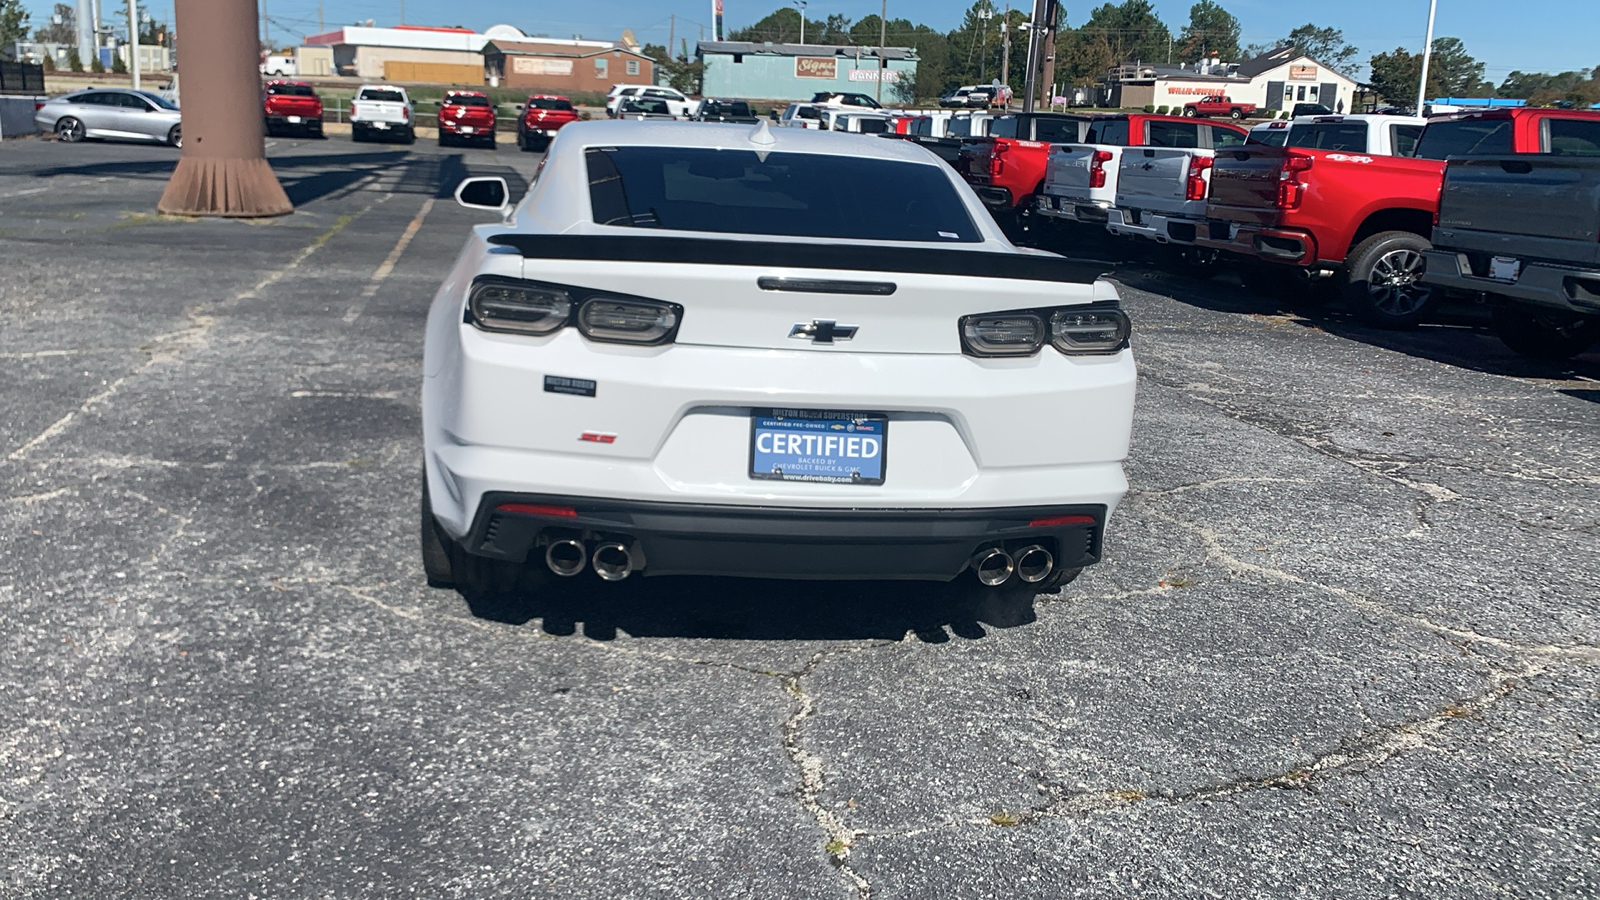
(801,5)
(883,38)
(1427,57)
(984,15)
(133,41)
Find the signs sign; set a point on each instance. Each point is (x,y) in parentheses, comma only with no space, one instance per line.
(816,67)
(890,76)
(535,65)
(1302,73)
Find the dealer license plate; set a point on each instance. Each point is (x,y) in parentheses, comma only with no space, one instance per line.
(1505,268)
(812,445)
(381,126)
(467,129)
(295,120)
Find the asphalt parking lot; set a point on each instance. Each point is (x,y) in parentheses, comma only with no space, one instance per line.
(1346,642)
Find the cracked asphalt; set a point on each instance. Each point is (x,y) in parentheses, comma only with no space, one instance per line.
(1346,642)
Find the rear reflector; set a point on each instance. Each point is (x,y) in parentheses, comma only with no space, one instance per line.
(533,509)
(1052,521)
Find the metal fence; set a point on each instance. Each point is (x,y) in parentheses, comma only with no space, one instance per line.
(21,78)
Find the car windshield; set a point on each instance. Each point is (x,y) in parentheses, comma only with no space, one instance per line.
(790,194)
(550,103)
(1465,137)
(1330,136)
(158,100)
(291,90)
(466,100)
(383,96)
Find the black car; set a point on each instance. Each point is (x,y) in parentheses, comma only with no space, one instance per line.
(722,109)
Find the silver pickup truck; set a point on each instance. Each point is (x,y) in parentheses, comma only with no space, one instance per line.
(1525,231)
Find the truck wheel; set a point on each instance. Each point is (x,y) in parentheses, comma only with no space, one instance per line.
(1189,112)
(1236,113)
(1383,280)
(1549,336)
(436,557)
(410,137)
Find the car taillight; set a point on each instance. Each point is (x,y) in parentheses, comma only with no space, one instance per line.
(497,303)
(405,114)
(997,162)
(1097,168)
(1195,187)
(628,321)
(1290,190)
(1093,330)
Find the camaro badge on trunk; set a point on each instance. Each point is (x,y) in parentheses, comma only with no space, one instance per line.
(823,331)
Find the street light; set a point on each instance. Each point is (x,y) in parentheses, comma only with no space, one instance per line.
(1427,56)
(801,5)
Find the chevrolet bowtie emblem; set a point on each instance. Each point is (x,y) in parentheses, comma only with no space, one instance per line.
(823,331)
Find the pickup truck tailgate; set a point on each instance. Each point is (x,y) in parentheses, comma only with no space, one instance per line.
(1244,184)
(1156,179)
(378,111)
(1542,206)
(1067,170)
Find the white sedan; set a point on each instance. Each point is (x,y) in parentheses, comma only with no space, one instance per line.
(778,353)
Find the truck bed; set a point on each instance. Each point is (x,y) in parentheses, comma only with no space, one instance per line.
(1529,206)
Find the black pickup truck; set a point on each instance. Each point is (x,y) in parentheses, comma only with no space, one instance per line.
(1524,230)
(728,110)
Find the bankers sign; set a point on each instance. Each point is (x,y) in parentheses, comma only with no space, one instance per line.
(816,67)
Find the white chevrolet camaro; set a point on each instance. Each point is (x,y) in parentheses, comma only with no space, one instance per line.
(775,353)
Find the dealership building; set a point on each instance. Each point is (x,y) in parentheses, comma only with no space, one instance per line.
(1275,81)
(767,71)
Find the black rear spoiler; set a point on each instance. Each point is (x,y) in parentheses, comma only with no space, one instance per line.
(942,260)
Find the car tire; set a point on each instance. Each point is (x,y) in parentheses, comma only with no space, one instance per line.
(443,141)
(356,135)
(410,136)
(175,137)
(69,130)
(1550,336)
(1055,581)
(1383,280)
(491,141)
(437,560)
(1189,112)
(1236,114)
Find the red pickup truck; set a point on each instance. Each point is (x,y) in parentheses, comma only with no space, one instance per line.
(1006,168)
(1354,224)
(1218,105)
(291,106)
(542,116)
(466,116)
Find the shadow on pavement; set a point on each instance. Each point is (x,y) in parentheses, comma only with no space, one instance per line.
(741,609)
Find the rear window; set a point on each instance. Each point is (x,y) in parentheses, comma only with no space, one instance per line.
(1225,137)
(1272,138)
(466,100)
(1003,127)
(549,103)
(1465,137)
(1404,139)
(1182,135)
(960,126)
(1057,131)
(788,194)
(1572,137)
(876,126)
(1350,136)
(291,90)
(382,96)
(1108,131)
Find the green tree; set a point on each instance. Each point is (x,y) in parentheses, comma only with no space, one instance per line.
(1211,29)
(13,24)
(1451,73)
(1132,30)
(781,26)
(63,32)
(1521,85)
(1325,45)
(74,61)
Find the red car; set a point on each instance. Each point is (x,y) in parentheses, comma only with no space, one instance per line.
(1006,168)
(466,116)
(542,117)
(291,106)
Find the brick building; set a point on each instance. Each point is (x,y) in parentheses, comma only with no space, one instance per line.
(564,67)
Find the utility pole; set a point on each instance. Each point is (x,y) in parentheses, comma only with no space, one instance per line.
(266,28)
(133,41)
(1005,57)
(1048,76)
(402,12)
(883,38)
(984,15)
(672,33)
(1030,81)
(1427,57)
(320,26)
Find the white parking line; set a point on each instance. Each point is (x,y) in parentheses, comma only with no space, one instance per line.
(24,193)
(389,262)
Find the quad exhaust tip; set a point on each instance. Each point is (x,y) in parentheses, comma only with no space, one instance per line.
(1034,564)
(565,558)
(612,561)
(993,566)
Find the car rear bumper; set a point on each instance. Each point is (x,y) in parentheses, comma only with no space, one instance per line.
(783,542)
(306,121)
(1289,246)
(1087,212)
(1163,229)
(1574,290)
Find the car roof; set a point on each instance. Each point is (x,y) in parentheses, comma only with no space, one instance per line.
(287,81)
(619,133)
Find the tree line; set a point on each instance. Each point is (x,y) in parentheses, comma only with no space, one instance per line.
(1132,32)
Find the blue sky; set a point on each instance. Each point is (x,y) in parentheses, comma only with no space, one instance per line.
(1532,35)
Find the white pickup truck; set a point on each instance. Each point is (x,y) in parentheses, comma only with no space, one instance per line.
(381,109)
(1161,192)
(1081,180)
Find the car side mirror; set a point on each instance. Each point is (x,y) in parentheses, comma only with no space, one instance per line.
(484,193)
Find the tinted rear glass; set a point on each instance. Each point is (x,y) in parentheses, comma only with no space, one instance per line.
(1003,127)
(1350,136)
(466,100)
(876,126)
(1108,131)
(1269,138)
(647,105)
(1225,137)
(790,194)
(382,96)
(1465,137)
(1057,131)
(549,103)
(1573,137)
(291,90)
(1183,135)
(1404,139)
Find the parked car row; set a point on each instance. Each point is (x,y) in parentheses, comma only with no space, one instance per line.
(1358,208)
